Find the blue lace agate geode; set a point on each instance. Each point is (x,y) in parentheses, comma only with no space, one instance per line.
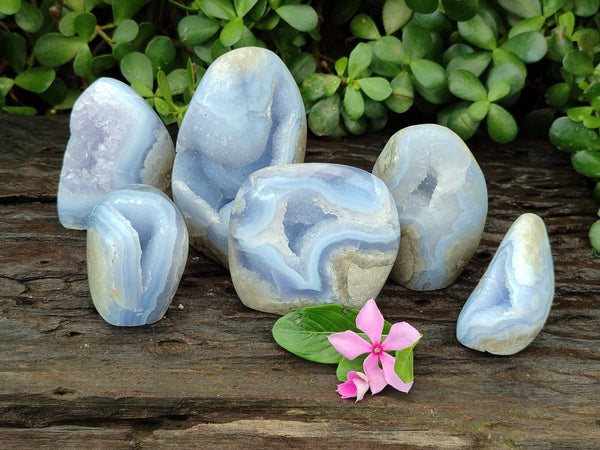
(137,246)
(116,139)
(441,196)
(246,114)
(311,234)
(512,301)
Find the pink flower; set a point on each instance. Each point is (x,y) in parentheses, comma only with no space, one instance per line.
(356,385)
(378,365)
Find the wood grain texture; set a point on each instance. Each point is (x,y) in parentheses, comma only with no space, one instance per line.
(209,373)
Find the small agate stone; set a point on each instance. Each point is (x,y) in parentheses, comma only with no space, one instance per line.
(137,246)
(246,114)
(116,139)
(311,234)
(441,197)
(511,303)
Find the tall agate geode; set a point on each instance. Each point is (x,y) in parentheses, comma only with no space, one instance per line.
(441,196)
(137,247)
(311,234)
(246,114)
(116,139)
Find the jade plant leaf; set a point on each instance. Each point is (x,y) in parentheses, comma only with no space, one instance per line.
(549,7)
(422,6)
(578,63)
(457,118)
(376,88)
(478,32)
(9,7)
(126,31)
(460,10)
(219,9)
(587,162)
(595,235)
(232,32)
(359,60)
(242,7)
(136,66)
(161,52)
(466,86)
(391,50)
(126,9)
(522,8)
(324,116)
(475,62)
(403,93)
(300,17)
(196,29)
(36,79)
(315,85)
(558,94)
(363,27)
(82,64)
(85,24)
(428,74)
(530,47)
(395,14)
(570,136)
(501,125)
(354,103)
(498,90)
(54,49)
(29,18)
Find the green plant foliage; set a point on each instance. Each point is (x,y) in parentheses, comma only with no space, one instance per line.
(358,63)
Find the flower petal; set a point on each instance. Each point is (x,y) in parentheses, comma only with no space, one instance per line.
(349,344)
(347,389)
(362,386)
(370,320)
(402,335)
(374,373)
(391,377)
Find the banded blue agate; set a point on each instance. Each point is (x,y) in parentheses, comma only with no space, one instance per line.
(311,234)
(137,246)
(512,301)
(441,197)
(116,139)
(246,114)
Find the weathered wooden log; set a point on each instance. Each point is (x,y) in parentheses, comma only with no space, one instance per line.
(210,374)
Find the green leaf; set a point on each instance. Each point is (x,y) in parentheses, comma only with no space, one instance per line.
(14,48)
(404,363)
(373,109)
(341,65)
(67,24)
(527,25)
(549,7)
(23,110)
(395,15)
(558,94)
(478,110)
(522,8)
(478,32)
(530,47)
(324,116)
(219,9)
(126,31)
(178,81)
(304,332)
(164,88)
(194,30)
(579,113)
(10,7)
(56,92)
(316,85)
(363,27)
(417,41)
(242,7)
(54,49)
(570,136)
(162,107)
(428,74)
(102,62)
(466,86)
(302,65)
(591,122)
(232,32)
(422,6)
(346,365)
(403,93)
(161,52)
(126,9)
(29,18)
(359,60)
(586,8)
(498,90)
(476,62)
(460,10)
(142,89)
(595,235)
(6,85)
(501,125)
(587,162)
(355,127)
(391,50)
(508,72)
(82,64)
(457,118)
(136,66)
(578,63)
(354,103)
(85,24)
(36,79)
(300,17)
(376,88)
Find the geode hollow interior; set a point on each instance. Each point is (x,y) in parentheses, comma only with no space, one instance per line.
(441,196)
(246,114)
(116,139)
(137,246)
(311,234)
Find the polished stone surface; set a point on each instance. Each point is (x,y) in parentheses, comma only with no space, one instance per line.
(511,303)
(246,114)
(137,246)
(116,139)
(311,234)
(441,196)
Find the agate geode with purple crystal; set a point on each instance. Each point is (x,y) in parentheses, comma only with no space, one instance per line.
(116,139)
(246,114)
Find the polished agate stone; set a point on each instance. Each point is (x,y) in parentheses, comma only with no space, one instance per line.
(441,197)
(246,114)
(311,234)
(116,139)
(511,303)
(137,246)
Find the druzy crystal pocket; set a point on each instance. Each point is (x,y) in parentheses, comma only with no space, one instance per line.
(512,301)
(441,196)
(311,234)
(246,114)
(116,139)
(137,246)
